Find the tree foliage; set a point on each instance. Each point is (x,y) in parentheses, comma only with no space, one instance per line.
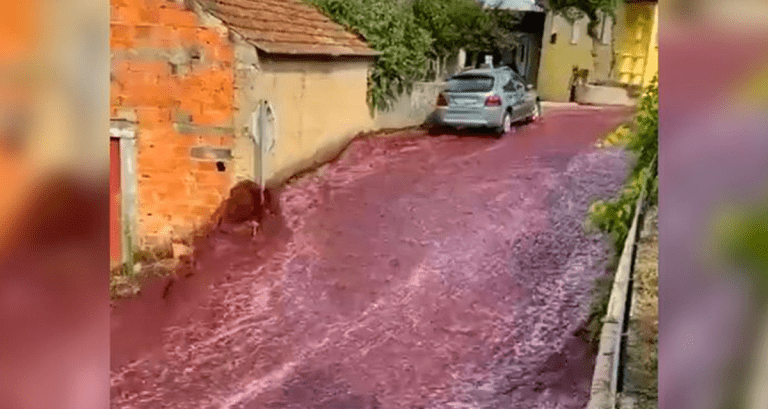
(592,8)
(455,24)
(499,31)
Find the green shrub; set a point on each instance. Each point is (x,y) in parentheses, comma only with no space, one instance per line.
(614,217)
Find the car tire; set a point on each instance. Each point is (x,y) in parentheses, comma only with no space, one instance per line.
(506,125)
(536,115)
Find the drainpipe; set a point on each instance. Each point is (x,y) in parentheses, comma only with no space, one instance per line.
(256,133)
(264,142)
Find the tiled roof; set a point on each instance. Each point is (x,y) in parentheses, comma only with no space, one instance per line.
(287,27)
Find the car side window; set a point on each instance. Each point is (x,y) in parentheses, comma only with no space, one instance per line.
(510,86)
(504,79)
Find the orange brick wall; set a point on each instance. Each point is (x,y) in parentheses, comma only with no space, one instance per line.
(174,77)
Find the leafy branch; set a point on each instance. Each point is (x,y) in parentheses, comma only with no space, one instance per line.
(615,216)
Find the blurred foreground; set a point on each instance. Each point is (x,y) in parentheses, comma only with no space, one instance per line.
(714,152)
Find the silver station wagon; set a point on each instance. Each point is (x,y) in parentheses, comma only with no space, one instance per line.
(488,97)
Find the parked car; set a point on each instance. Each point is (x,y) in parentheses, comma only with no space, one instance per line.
(487,97)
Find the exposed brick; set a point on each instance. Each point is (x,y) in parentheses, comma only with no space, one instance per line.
(121,36)
(180,104)
(214,178)
(114,93)
(227,140)
(180,163)
(182,151)
(144,33)
(177,189)
(180,209)
(209,37)
(187,35)
(152,68)
(212,199)
(211,116)
(148,15)
(177,18)
(159,95)
(205,166)
(128,14)
(223,53)
(153,117)
(201,211)
(165,37)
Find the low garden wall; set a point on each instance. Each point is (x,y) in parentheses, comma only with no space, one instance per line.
(591,94)
(413,108)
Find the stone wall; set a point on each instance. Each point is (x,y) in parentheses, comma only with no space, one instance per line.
(412,109)
(173,77)
(318,105)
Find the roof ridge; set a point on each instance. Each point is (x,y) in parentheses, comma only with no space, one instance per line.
(329,25)
(325,34)
(287,22)
(257,3)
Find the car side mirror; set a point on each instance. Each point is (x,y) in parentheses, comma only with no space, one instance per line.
(529,87)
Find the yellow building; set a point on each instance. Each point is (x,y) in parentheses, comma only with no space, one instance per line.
(567,45)
(637,45)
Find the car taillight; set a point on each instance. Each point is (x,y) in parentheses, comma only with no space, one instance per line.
(493,101)
(442,101)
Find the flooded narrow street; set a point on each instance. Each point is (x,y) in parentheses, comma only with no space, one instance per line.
(413,272)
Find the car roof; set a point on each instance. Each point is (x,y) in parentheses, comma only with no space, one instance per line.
(484,71)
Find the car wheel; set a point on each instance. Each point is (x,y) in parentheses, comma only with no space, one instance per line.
(536,114)
(506,125)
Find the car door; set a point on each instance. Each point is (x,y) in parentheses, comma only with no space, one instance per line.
(528,97)
(518,108)
(514,97)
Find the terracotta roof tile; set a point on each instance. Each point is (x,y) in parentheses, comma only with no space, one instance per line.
(287,27)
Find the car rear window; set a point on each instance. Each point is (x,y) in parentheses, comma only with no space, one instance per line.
(470,83)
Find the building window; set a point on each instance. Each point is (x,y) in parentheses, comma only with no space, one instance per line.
(553,38)
(575,32)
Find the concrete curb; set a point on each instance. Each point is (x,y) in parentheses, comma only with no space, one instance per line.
(605,377)
(632,338)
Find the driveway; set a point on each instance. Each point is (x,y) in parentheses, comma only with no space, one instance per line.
(413,272)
